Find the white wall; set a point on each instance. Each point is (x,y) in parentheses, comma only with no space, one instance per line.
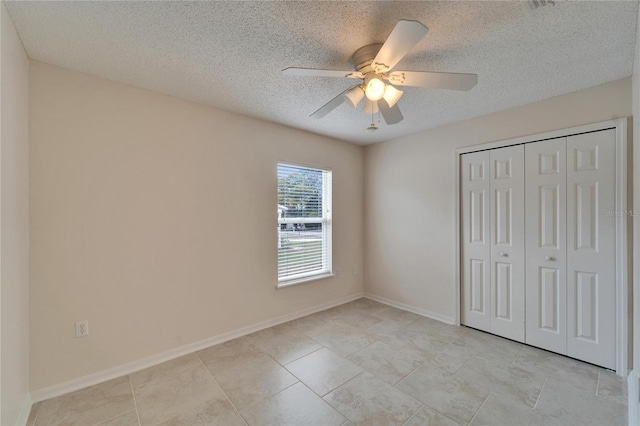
(410,191)
(14,223)
(634,400)
(155,219)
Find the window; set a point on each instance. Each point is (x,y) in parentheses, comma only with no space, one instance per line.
(304,224)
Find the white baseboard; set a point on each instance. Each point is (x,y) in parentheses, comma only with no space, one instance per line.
(24,411)
(121,370)
(634,406)
(415,310)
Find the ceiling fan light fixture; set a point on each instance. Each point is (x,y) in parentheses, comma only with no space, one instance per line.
(375,89)
(354,96)
(392,95)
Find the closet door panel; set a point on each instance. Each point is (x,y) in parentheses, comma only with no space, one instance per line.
(507,242)
(591,289)
(546,273)
(476,241)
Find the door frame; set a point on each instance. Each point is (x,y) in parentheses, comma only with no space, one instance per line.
(622,238)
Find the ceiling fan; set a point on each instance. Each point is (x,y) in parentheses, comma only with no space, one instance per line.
(373,65)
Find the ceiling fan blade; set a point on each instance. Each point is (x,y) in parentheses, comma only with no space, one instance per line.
(331,105)
(391,115)
(434,80)
(404,36)
(312,72)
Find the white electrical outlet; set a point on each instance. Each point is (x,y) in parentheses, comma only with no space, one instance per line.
(82,328)
(355,269)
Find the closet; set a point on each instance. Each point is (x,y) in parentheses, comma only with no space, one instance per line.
(538,249)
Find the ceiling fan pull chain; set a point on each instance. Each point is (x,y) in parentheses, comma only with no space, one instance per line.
(373,121)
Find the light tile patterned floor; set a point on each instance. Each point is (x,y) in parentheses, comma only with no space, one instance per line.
(359,363)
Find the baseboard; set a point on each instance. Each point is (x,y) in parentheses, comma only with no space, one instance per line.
(121,370)
(25,410)
(415,310)
(632,386)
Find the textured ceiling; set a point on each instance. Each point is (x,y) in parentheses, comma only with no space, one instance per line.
(230,54)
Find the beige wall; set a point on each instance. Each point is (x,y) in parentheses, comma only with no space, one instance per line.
(155,219)
(634,400)
(410,192)
(14,222)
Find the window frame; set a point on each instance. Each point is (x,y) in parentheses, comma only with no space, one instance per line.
(327,228)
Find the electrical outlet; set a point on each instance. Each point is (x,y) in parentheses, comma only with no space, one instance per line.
(82,328)
(355,269)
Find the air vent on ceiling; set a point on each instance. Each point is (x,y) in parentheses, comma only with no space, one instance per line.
(534,4)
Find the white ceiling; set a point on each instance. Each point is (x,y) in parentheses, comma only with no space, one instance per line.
(229,54)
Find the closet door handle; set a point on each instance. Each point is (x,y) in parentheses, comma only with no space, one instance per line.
(504,255)
(549,258)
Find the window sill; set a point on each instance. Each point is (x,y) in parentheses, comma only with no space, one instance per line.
(291,283)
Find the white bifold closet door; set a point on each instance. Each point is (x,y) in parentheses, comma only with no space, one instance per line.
(476,238)
(546,207)
(493,241)
(570,246)
(591,259)
(538,244)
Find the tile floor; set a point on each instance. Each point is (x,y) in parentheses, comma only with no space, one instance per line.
(359,363)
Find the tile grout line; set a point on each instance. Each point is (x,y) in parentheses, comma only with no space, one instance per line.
(328,393)
(312,338)
(405,393)
(466,362)
(413,415)
(540,394)
(459,336)
(298,334)
(442,414)
(264,399)
(276,361)
(338,387)
(280,391)
(358,350)
(231,368)
(434,410)
(173,372)
(135,403)
(517,355)
(404,327)
(332,389)
(222,390)
(451,342)
(305,385)
(117,415)
(300,357)
(299,381)
(323,347)
(480,408)
(407,375)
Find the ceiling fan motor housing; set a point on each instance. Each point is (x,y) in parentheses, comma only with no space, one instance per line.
(363,57)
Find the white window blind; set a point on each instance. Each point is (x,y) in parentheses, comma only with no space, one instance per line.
(304,222)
